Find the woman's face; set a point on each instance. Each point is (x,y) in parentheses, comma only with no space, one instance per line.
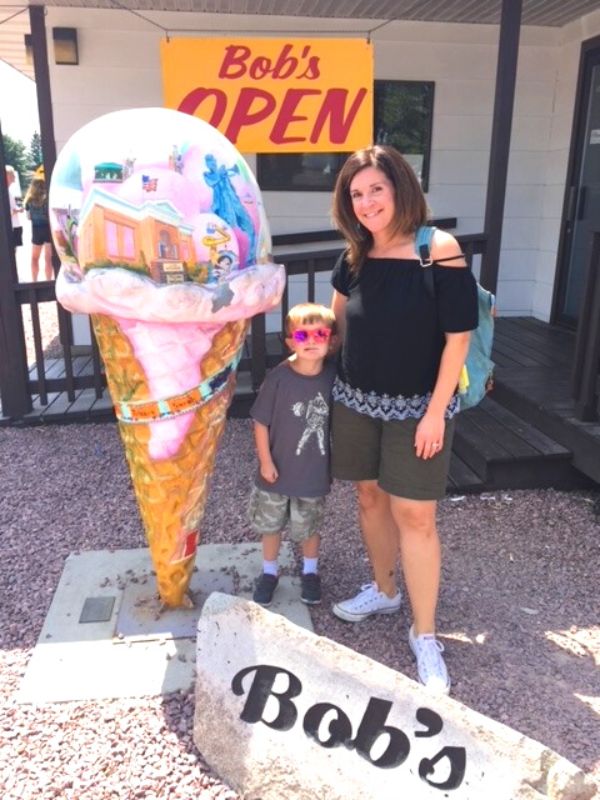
(373,200)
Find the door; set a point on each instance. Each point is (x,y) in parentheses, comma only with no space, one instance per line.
(582,205)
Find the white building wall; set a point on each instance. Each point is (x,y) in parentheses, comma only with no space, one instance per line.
(120,68)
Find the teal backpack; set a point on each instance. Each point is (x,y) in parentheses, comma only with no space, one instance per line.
(477,376)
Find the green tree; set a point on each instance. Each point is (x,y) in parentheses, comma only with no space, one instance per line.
(35,157)
(15,155)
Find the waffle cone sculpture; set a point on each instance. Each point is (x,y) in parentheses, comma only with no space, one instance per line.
(170,489)
(169,329)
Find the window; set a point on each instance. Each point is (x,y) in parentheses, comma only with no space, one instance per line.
(120,240)
(403,113)
(403,117)
(128,237)
(112,239)
(297,172)
(166,247)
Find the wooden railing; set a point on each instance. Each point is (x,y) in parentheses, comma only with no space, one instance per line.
(586,367)
(43,378)
(73,373)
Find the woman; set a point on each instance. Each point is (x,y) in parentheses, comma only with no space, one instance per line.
(36,205)
(395,391)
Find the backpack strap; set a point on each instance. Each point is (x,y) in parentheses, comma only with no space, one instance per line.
(423,239)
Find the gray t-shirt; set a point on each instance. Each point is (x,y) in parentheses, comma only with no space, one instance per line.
(295,409)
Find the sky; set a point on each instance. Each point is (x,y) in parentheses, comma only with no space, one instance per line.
(18,104)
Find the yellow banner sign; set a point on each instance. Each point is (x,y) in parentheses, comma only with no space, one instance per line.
(275,95)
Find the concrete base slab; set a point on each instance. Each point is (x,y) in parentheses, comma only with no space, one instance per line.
(103,636)
(140,616)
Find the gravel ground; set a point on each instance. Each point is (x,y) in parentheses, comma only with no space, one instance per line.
(518,614)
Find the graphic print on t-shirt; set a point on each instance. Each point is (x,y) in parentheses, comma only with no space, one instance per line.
(315,414)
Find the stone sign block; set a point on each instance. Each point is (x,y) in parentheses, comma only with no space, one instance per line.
(283,713)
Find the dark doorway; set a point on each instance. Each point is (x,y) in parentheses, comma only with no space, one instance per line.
(581,213)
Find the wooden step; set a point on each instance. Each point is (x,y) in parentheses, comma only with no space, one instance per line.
(550,408)
(462,478)
(508,452)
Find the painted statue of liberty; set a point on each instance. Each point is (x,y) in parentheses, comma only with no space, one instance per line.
(226,203)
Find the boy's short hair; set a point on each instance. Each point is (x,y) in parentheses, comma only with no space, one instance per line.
(309,314)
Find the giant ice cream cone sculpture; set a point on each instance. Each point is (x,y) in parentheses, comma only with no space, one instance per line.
(163,240)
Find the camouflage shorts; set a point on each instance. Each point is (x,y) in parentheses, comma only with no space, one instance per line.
(269,512)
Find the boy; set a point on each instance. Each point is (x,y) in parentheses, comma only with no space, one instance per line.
(291,431)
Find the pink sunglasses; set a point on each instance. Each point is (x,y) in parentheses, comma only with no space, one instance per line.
(319,335)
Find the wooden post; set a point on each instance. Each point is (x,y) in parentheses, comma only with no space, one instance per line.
(44,99)
(506,74)
(41,71)
(42,82)
(13,355)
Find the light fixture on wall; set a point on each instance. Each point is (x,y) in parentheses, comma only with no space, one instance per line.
(28,49)
(65,46)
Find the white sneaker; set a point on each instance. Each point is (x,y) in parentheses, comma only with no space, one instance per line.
(367,602)
(430,664)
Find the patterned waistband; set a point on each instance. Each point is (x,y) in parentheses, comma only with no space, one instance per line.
(385,407)
(154,410)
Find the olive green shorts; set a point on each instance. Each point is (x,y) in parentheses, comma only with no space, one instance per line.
(367,449)
(269,512)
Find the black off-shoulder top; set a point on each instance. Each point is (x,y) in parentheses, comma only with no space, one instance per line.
(394,326)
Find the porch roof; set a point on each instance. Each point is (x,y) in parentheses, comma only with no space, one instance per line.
(14,22)
(535,12)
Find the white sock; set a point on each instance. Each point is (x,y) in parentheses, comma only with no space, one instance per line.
(310,565)
(271,568)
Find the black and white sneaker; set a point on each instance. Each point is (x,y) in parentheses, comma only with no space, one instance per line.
(311,589)
(265,586)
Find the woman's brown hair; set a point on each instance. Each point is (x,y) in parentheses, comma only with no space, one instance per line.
(410,210)
(36,194)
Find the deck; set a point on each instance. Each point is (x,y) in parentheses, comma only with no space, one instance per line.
(523,435)
(534,367)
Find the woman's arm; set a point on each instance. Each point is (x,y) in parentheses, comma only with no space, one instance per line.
(430,429)
(338,306)
(267,468)
(454,355)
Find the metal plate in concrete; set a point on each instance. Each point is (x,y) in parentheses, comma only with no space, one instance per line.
(75,661)
(97,609)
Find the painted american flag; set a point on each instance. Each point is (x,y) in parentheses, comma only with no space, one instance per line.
(149,184)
